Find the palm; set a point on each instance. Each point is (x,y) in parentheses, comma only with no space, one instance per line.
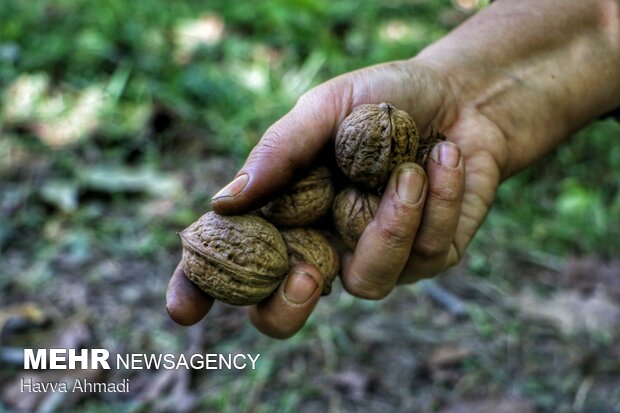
(425,94)
(455,205)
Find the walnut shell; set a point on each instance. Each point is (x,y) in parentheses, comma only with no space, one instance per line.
(310,246)
(353,209)
(305,202)
(372,141)
(236,259)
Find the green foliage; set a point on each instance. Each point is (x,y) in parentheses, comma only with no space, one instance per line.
(114,103)
(129,47)
(569,202)
(115,148)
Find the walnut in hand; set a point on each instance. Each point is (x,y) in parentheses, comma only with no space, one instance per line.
(306,201)
(238,259)
(372,141)
(307,245)
(353,209)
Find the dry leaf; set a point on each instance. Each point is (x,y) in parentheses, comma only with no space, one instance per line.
(572,311)
(448,355)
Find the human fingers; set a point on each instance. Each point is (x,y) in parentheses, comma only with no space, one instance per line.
(434,248)
(293,143)
(186,304)
(287,147)
(385,245)
(285,312)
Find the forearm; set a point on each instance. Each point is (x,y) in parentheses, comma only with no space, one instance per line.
(537,70)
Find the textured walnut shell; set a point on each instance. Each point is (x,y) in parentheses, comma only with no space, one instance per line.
(372,141)
(236,259)
(310,246)
(303,203)
(353,209)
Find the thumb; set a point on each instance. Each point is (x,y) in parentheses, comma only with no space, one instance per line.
(293,142)
(287,147)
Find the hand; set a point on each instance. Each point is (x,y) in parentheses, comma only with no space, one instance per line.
(502,87)
(279,316)
(424,221)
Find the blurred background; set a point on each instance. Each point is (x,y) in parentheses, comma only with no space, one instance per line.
(119,120)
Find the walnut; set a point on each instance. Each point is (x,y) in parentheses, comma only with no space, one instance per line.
(242,259)
(236,259)
(372,141)
(310,246)
(304,202)
(353,209)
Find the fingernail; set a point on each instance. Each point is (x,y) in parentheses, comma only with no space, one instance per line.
(410,185)
(447,154)
(233,188)
(300,286)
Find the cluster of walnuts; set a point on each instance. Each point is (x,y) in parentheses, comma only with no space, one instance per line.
(242,259)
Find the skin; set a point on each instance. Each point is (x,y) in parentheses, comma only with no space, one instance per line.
(505,87)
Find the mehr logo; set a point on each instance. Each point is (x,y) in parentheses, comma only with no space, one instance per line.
(63,359)
(98,358)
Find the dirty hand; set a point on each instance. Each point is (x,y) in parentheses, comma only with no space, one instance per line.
(503,87)
(424,222)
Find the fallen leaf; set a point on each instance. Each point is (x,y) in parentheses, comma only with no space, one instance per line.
(572,311)
(448,355)
(22,316)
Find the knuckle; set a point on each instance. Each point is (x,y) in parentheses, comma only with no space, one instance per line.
(445,192)
(272,139)
(429,247)
(315,97)
(307,98)
(333,96)
(324,93)
(403,211)
(392,235)
(272,149)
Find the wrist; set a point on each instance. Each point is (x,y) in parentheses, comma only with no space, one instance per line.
(536,71)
